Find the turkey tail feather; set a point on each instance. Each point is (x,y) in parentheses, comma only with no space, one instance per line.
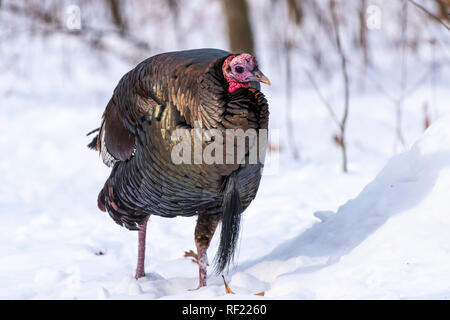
(93,144)
(231,218)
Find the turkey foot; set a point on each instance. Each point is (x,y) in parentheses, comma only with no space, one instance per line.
(194,256)
(202,260)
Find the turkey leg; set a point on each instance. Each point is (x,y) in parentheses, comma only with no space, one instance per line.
(140,269)
(204,231)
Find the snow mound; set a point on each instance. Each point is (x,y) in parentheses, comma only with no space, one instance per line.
(391,241)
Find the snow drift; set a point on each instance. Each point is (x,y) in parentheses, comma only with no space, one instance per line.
(391,241)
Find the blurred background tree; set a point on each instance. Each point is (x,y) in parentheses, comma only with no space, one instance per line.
(240,36)
(328,46)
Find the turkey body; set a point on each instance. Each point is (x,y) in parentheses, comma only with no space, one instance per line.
(177,90)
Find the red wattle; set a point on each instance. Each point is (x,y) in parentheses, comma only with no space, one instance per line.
(234,85)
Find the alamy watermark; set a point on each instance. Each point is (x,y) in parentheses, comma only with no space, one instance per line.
(73,17)
(228,147)
(373,17)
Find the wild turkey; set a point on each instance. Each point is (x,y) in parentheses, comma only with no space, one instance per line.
(210,88)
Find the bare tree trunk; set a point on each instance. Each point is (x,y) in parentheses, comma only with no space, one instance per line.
(295,11)
(444,9)
(174,7)
(239,30)
(363,33)
(289,126)
(117,16)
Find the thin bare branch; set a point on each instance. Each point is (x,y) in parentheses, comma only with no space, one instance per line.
(289,127)
(346,83)
(430,14)
(325,102)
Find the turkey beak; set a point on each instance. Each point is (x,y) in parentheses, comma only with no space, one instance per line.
(259,76)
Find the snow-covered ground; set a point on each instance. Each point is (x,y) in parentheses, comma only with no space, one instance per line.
(313,232)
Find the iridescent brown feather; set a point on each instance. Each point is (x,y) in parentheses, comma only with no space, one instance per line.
(164,93)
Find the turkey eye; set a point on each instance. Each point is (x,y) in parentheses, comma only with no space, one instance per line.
(239,69)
